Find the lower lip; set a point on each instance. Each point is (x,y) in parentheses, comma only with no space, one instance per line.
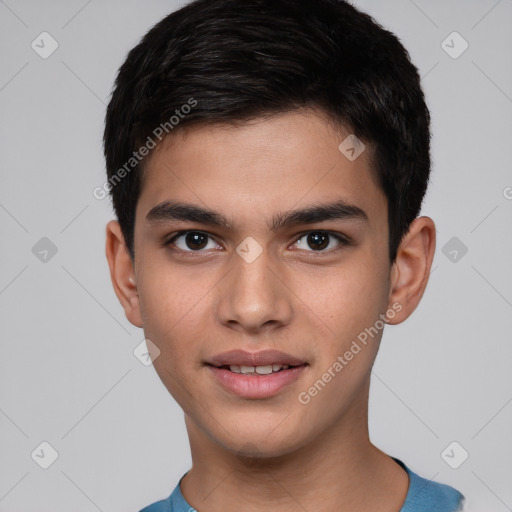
(257,386)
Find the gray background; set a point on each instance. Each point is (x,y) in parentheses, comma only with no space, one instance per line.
(68,375)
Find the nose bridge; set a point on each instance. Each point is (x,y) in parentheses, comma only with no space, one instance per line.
(252,296)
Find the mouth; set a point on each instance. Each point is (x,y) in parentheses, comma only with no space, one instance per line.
(256,375)
(267,369)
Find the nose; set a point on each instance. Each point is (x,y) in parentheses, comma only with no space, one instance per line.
(253,297)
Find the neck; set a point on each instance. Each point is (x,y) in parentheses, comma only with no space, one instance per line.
(337,470)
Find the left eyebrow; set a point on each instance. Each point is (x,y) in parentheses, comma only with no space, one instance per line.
(170,211)
(338,210)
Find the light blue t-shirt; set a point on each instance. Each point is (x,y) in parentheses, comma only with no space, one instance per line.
(422,496)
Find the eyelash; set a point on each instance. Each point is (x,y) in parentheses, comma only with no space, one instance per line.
(343,241)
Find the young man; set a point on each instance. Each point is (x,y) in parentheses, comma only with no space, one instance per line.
(267,161)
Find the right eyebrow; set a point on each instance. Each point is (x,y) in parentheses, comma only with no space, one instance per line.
(169,211)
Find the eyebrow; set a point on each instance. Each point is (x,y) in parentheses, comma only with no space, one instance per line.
(170,211)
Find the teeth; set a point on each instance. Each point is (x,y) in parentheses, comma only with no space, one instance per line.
(264,370)
(261,370)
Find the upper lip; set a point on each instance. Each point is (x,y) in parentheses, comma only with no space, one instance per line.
(261,358)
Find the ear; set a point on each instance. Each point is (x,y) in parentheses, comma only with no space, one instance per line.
(411,269)
(122,273)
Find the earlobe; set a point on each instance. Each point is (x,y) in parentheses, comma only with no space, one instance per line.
(122,273)
(411,269)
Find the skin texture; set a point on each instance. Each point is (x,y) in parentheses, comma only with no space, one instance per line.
(274,453)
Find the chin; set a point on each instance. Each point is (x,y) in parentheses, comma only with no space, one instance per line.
(260,440)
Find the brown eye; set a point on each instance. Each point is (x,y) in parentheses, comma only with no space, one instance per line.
(318,241)
(194,240)
(190,241)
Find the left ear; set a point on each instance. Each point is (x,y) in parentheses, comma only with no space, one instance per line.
(411,269)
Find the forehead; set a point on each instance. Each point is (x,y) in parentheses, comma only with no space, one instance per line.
(252,170)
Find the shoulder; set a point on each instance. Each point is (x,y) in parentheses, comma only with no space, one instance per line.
(159,506)
(428,496)
(174,503)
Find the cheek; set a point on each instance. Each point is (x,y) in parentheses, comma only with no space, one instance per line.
(348,298)
(351,307)
(174,309)
(169,293)
(175,322)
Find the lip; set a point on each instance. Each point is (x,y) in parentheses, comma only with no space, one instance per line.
(261,358)
(257,386)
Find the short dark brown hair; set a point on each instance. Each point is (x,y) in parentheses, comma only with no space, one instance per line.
(235,60)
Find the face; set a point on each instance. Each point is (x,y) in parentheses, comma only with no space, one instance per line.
(261,263)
